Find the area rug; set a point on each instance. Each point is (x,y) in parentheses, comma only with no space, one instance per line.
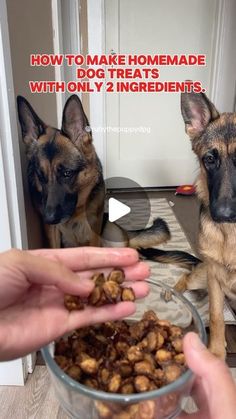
(169,274)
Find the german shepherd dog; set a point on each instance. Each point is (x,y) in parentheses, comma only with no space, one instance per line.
(67,186)
(213,138)
(65,175)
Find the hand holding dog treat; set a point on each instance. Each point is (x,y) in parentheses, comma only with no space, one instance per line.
(33,283)
(106,291)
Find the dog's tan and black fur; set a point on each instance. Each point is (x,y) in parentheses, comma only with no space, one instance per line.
(65,175)
(213,138)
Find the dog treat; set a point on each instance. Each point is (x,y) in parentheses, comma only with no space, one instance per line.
(106,291)
(127,294)
(72,302)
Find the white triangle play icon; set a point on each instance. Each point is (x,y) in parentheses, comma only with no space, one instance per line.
(117,209)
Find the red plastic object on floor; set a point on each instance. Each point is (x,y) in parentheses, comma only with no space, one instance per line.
(185,190)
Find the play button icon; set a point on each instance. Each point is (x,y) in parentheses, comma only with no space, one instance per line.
(116,209)
(127,213)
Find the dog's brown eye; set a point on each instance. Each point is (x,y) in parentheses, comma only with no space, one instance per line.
(68,173)
(209,159)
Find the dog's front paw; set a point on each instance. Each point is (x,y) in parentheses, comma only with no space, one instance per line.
(182,284)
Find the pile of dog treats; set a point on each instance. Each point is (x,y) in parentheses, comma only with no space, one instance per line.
(122,357)
(106,291)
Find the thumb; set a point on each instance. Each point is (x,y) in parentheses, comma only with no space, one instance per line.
(206,365)
(214,390)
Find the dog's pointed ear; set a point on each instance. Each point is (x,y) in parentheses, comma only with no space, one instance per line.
(31,125)
(197,112)
(75,124)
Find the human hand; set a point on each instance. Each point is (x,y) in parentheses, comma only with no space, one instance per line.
(214,389)
(32,288)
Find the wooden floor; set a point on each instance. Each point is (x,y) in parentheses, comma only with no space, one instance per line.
(35,400)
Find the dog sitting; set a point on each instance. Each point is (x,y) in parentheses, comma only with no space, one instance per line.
(213,138)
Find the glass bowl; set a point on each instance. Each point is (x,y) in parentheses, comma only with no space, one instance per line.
(82,402)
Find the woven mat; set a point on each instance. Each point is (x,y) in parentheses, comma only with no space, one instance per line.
(170,274)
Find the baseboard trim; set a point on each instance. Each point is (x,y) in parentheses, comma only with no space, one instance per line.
(135,190)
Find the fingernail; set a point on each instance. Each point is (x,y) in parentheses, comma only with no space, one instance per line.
(196,342)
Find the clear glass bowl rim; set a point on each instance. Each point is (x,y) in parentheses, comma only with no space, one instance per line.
(133,398)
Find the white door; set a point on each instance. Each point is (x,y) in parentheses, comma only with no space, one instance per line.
(162,157)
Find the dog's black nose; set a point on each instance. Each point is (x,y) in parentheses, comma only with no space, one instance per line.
(50,216)
(224,211)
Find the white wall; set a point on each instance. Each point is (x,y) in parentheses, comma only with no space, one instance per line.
(224,90)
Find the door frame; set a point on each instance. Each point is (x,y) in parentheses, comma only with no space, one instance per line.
(72,33)
(224,62)
(224,30)
(11,182)
(96,45)
(12,212)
